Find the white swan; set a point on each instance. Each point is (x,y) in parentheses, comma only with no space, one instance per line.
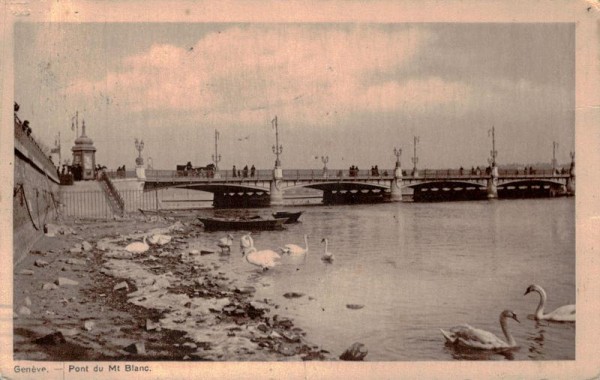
(138,246)
(265,258)
(327,256)
(225,242)
(293,249)
(468,336)
(246,241)
(159,239)
(562,314)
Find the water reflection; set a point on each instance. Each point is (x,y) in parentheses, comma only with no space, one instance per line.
(465,353)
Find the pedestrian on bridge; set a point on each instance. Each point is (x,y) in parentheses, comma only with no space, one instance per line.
(246,171)
(234,172)
(252,171)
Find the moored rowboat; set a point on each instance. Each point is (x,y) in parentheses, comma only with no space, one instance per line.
(292,217)
(222,224)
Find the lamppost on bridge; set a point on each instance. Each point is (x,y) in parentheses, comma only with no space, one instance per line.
(139,161)
(415,159)
(277,148)
(493,152)
(216,157)
(325,160)
(554,148)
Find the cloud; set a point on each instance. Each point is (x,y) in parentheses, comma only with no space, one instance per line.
(245,74)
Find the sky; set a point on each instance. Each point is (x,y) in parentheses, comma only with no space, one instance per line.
(349,91)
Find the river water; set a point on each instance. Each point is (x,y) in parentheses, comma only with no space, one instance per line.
(419,267)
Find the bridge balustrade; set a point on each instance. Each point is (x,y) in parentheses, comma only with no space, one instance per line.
(331,174)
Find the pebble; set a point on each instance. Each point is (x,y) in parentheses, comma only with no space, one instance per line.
(354,306)
(293,295)
(86,246)
(75,262)
(190,345)
(27,301)
(63,281)
(40,263)
(89,325)
(27,272)
(24,310)
(121,285)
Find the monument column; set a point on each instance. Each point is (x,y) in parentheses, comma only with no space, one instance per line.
(492,182)
(571,180)
(396,183)
(275,190)
(84,157)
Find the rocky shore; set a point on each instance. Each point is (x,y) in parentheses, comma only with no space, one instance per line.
(79,295)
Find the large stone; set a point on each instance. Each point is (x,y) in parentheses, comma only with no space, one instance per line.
(51,339)
(63,281)
(136,348)
(356,352)
(24,310)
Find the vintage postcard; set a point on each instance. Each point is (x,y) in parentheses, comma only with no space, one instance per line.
(254,189)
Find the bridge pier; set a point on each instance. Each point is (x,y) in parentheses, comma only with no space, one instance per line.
(396,185)
(492,183)
(570,186)
(275,190)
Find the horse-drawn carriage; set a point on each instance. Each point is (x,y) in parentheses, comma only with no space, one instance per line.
(188,170)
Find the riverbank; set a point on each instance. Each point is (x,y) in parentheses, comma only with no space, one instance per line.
(79,295)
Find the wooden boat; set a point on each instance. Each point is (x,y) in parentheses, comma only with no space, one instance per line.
(292,217)
(254,224)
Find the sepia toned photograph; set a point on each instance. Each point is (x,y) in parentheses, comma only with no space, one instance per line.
(252,191)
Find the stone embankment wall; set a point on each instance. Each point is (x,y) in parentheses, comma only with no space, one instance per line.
(35,193)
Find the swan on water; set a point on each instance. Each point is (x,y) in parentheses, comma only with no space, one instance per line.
(468,336)
(225,242)
(327,256)
(293,249)
(562,314)
(138,246)
(246,241)
(159,239)
(265,259)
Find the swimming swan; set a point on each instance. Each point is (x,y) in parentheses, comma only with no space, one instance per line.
(562,314)
(138,246)
(265,258)
(159,239)
(225,242)
(468,336)
(246,241)
(293,249)
(327,256)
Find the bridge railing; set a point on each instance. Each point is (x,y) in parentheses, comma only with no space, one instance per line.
(113,174)
(330,174)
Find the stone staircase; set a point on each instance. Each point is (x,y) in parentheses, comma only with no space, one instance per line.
(112,195)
